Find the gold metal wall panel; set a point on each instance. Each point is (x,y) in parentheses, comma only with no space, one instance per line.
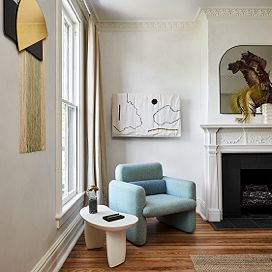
(30,24)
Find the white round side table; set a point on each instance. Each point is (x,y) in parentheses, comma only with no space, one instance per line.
(96,227)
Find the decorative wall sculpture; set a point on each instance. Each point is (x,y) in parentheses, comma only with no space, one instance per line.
(140,115)
(25,25)
(30,24)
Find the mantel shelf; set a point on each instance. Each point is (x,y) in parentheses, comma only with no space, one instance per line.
(214,126)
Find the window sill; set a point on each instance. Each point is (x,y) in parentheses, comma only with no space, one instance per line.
(70,208)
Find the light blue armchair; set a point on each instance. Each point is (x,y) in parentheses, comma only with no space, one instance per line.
(142,190)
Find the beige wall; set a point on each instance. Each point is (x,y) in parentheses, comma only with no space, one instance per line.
(27,181)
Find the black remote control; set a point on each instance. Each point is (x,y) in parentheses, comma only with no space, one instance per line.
(110,215)
(113,217)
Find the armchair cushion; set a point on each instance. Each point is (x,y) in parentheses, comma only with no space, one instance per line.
(138,171)
(152,187)
(163,204)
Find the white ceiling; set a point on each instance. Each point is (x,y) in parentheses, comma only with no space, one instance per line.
(160,10)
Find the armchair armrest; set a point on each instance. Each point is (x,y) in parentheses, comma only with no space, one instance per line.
(126,197)
(180,187)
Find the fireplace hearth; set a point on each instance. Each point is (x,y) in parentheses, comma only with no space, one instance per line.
(243,223)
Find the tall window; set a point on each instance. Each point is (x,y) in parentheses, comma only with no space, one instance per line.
(70,102)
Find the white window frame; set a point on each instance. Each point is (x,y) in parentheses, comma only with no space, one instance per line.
(65,207)
(72,100)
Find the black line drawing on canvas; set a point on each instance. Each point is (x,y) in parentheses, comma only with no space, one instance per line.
(146,115)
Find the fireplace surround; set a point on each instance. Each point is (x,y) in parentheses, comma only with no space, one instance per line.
(244,140)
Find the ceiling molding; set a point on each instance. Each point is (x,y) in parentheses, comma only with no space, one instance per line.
(181,25)
(146,26)
(237,12)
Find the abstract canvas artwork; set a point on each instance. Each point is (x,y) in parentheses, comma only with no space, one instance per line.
(141,115)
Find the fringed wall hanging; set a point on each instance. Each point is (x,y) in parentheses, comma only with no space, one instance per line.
(32,112)
(24,24)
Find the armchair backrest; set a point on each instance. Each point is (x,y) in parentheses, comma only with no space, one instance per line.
(138,171)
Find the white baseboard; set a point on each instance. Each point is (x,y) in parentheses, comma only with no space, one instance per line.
(56,255)
(211,215)
(201,209)
(214,215)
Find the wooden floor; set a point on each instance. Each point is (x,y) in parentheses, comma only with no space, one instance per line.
(168,249)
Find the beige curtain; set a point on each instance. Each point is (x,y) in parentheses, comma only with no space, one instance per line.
(96,144)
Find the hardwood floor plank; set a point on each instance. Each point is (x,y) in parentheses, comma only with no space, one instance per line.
(168,249)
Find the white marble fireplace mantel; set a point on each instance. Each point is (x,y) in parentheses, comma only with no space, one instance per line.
(236,138)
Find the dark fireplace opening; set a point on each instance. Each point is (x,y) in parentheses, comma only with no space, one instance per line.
(247,185)
(246,191)
(256,192)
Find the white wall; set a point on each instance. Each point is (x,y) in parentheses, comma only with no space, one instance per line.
(27,181)
(185,62)
(225,33)
(156,62)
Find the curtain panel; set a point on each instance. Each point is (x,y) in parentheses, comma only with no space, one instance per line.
(95,126)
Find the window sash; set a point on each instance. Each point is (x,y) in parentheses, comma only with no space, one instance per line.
(68,58)
(69,151)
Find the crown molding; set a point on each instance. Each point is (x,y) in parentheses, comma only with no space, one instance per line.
(237,12)
(108,26)
(158,26)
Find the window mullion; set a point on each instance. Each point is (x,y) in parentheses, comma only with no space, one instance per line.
(66,152)
(71,66)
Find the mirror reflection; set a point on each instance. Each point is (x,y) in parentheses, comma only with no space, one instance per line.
(245,78)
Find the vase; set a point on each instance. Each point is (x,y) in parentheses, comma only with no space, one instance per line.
(267,113)
(93,204)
